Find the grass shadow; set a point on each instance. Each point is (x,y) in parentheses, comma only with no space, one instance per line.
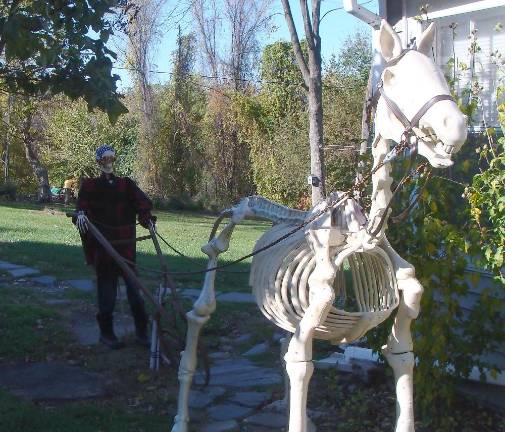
(67,262)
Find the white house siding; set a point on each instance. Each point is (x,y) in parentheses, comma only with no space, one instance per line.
(480,15)
(481,68)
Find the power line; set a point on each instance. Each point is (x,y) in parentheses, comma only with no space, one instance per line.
(257,81)
(230,79)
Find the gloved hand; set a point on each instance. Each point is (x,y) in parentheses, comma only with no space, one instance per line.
(147,221)
(81,223)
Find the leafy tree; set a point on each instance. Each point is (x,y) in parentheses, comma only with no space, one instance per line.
(225,149)
(143,31)
(279,156)
(177,165)
(344,84)
(72,135)
(355,58)
(60,47)
(23,133)
(18,169)
(278,128)
(278,147)
(282,89)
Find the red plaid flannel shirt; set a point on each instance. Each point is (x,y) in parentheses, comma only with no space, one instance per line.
(111,205)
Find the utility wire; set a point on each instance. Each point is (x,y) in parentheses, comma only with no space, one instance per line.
(246,80)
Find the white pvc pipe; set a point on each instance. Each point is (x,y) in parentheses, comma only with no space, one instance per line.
(352,7)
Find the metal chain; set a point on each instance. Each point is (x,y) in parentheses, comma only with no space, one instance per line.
(191,259)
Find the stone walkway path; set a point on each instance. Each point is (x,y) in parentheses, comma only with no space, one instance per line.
(236,399)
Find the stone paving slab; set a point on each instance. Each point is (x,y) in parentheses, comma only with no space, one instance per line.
(250,399)
(51,381)
(4,265)
(246,337)
(222,426)
(270,420)
(48,281)
(84,327)
(257,350)
(202,398)
(236,297)
(228,411)
(192,293)
(85,285)
(219,355)
(240,373)
(23,271)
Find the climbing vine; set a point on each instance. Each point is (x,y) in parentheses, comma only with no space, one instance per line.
(486,194)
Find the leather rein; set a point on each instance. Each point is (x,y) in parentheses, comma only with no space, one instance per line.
(409,138)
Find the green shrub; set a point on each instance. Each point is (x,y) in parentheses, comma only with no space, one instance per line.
(180,203)
(8,190)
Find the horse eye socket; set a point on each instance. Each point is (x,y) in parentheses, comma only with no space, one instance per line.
(388,76)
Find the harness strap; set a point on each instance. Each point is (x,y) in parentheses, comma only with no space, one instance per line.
(415,120)
(395,109)
(403,215)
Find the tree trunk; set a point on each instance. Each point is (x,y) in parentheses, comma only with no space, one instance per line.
(7,142)
(144,22)
(316,138)
(365,133)
(312,78)
(40,172)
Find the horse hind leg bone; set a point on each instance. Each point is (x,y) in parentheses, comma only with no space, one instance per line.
(204,306)
(399,348)
(299,364)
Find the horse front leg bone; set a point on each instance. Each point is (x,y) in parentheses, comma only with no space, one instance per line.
(399,348)
(204,306)
(299,364)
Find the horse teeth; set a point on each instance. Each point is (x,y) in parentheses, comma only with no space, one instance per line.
(448,149)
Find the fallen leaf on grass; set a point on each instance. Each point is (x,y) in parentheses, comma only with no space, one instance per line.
(143,377)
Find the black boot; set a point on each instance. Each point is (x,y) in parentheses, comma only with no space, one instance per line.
(141,323)
(107,336)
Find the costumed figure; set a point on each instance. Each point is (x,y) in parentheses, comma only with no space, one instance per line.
(112,204)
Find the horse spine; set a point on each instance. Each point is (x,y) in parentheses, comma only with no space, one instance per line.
(263,208)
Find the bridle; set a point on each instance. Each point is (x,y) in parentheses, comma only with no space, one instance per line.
(409,138)
(408,125)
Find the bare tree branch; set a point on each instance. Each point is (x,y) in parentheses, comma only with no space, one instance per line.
(296,43)
(316,13)
(228,34)
(309,34)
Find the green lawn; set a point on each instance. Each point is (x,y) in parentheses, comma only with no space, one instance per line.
(33,329)
(21,416)
(42,236)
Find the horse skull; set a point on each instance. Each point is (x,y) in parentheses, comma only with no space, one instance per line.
(410,83)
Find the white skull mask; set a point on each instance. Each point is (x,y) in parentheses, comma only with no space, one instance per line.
(106,162)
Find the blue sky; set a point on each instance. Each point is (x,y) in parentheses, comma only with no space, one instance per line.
(335,28)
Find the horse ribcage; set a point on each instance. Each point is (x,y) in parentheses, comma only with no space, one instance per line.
(365,286)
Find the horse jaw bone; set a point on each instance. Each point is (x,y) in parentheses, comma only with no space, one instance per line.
(436,155)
